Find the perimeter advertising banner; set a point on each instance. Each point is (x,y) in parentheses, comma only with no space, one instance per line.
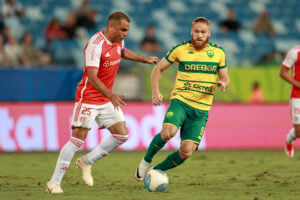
(39,126)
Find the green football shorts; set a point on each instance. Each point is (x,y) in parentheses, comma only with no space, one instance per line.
(191,120)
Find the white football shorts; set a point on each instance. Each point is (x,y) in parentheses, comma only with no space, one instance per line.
(104,115)
(295,110)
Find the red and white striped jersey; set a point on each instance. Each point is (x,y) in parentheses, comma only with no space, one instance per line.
(101,54)
(292,61)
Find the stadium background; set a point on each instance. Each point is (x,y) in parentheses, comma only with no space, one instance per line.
(36,103)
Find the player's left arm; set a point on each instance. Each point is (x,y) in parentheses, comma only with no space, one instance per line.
(224,79)
(131,55)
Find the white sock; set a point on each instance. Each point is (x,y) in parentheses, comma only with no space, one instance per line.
(291,136)
(106,145)
(65,156)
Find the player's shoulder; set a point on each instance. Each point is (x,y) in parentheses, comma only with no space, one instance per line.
(216,47)
(296,48)
(179,46)
(96,39)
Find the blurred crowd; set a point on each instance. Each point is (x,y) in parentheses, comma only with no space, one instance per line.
(22,51)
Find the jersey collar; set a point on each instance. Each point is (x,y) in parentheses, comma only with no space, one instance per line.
(108,42)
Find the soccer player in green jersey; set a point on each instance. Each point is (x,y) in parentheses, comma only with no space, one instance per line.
(200,64)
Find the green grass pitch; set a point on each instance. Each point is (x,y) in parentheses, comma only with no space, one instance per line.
(248,174)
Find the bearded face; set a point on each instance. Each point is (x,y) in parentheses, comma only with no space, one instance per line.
(200,35)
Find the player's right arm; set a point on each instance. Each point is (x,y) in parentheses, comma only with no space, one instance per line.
(157,97)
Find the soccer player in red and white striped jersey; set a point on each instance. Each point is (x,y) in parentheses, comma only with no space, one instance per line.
(292,61)
(96,101)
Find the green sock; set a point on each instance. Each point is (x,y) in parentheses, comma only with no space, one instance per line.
(173,160)
(156,144)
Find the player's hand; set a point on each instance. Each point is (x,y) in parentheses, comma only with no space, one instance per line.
(151,60)
(297,84)
(116,100)
(157,99)
(221,86)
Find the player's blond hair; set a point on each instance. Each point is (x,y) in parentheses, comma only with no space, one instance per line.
(201,20)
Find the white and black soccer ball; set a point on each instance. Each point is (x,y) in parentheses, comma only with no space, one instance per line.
(156,180)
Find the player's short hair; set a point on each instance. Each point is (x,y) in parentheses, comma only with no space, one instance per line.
(201,20)
(118,16)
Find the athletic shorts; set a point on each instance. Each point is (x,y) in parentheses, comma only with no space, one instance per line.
(104,115)
(191,121)
(295,110)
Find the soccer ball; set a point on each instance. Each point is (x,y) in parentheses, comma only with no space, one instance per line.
(156,180)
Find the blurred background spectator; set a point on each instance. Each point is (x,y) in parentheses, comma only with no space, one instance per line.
(257,95)
(13,52)
(263,25)
(86,16)
(6,34)
(230,24)
(70,25)
(54,31)
(11,8)
(149,43)
(4,62)
(30,55)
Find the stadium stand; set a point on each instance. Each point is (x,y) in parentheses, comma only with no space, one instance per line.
(172,21)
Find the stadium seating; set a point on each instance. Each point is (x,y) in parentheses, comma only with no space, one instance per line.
(172,19)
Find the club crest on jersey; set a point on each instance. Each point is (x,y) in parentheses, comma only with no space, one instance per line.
(119,50)
(82,119)
(210,53)
(170,114)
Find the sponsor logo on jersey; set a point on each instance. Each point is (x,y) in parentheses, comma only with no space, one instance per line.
(107,54)
(200,67)
(111,63)
(196,86)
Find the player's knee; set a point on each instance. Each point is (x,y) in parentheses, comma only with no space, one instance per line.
(297,130)
(80,133)
(120,138)
(185,153)
(165,136)
(187,149)
(168,132)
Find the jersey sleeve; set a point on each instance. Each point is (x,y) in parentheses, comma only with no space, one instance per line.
(290,59)
(93,54)
(172,55)
(222,63)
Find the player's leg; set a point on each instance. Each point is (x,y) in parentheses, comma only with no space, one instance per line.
(157,143)
(83,116)
(295,131)
(191,134)
(118,136)
(293,134)
(178,157)
(115,122)
(173,119)
(65,156)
